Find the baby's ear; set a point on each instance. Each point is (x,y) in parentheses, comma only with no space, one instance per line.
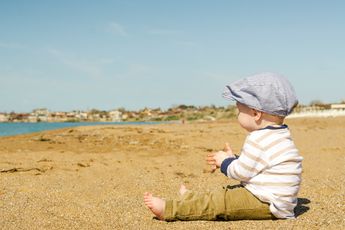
(257,114)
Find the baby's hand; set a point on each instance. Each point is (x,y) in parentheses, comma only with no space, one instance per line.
(216,159)
(228,150)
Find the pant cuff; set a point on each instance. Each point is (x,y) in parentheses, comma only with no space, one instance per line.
(168,211)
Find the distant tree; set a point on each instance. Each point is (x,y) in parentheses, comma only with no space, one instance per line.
(316,103)
(94,111)
(320,104)
(231,108)
(103,113)
(182,107)
(172,118)
(121,109)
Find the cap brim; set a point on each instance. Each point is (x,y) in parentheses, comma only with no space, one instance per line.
(229,94)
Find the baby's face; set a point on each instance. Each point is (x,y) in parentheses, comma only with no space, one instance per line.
(245,117)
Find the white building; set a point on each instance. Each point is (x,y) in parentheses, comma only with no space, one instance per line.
(338,106)
(40,114)
(32,118)
(3,117)
(115,116)
(81,115)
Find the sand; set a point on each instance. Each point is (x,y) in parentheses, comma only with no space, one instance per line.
(95,177)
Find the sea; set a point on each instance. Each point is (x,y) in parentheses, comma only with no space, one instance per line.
(11,129)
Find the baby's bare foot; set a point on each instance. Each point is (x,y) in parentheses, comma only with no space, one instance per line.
(183,189)
(155,204)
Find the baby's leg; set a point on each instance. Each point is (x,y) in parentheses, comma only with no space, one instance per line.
(226,204)
(155,204)
(195,206)
(190,206)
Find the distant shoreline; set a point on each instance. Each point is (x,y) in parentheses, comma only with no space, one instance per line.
(18,128)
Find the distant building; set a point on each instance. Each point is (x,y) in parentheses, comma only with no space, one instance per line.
(124,116)
(41,114)
(57,117)
(338,106)
(81,115)
(19,117)
(95,117)
(115,116)
(71,116)
(32,118)
(3,117)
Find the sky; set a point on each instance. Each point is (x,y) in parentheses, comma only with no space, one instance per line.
(77,55)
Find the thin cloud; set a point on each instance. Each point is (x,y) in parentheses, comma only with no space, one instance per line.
(187,43)
(117,29)
(137,69)
(107,61)
(10,45)
(88,67)
(162,32)
(218,76)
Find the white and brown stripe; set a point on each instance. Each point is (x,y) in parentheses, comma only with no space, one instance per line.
(270,167)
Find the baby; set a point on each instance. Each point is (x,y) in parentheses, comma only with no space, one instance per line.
(269,166)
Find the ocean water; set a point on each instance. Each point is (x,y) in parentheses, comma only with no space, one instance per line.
(11,129)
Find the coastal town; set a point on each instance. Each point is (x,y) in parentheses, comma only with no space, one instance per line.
(177,113)
(181,112)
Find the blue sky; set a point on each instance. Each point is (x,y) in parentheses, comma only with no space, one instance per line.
(66,55)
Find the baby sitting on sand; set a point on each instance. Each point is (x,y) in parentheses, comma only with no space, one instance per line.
(269,167)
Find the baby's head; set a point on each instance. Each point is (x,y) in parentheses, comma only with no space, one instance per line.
(265,98)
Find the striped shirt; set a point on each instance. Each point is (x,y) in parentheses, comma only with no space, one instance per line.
(270,167)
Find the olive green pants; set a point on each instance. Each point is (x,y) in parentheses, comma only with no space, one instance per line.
(230,203)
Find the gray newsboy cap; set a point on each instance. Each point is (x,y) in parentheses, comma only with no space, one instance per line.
(266,92)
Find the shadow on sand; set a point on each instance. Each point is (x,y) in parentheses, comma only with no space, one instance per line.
(301,206)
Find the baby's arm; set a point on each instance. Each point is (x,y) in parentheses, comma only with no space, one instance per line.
(216,159)
(248,165)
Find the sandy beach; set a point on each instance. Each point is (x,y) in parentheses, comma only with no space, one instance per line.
(95,177)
